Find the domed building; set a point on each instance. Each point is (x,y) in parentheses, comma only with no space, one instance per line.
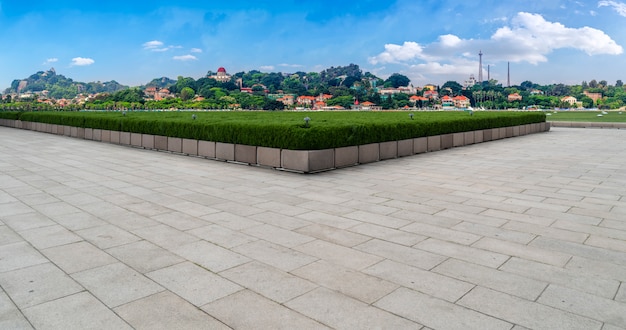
(221,75)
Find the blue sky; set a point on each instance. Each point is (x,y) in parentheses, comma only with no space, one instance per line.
(430,41)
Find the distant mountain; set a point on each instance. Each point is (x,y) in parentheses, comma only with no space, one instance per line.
(58,86)
(162,82)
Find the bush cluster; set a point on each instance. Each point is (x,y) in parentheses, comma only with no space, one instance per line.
(286,130)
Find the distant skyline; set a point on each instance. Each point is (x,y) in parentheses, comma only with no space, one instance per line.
(132,42)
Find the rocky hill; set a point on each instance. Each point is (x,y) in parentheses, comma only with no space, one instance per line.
(59,86)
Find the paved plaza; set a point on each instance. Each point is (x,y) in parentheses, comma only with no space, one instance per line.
(521,233)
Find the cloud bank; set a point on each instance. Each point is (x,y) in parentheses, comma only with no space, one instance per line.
(619,7)
(187,57)
(81,61)
(529,38)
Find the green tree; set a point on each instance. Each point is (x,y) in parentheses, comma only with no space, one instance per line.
(397,80)
(187,93)
(454,86)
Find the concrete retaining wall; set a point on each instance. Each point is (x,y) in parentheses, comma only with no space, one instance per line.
(303,161)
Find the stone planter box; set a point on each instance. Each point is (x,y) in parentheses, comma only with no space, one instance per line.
(175,144)
(115,137)
(207,149)
(305,161)
(369,153)
(405,148)
(388,150)
(245,154)
(125,138)
(420,145)
(225,151)
(160,142)
(267,156)
(308,161)
(346,156)
(434,143)
(190,147)
(468,138)
(458,139)
(487,135)
(135,139)
(147,141)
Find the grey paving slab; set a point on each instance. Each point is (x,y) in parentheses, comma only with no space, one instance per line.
(194,283)
(341,312)
(10,316)
(261,313)
(521,233)
(116,284)
(37,284)
(166,310)
(62,314)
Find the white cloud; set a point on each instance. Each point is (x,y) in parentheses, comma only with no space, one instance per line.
(529,38)
(619,7)
(399,53)
(154,44)
(185,58)
(51,60)
(81,61)
(267,67)
(196,50)
(290,65)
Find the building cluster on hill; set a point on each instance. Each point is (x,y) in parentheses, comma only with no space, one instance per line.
(333,89)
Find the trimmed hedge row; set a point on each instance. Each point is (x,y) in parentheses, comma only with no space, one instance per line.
(286,130)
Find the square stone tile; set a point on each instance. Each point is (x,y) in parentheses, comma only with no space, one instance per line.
(19,255)
(193,283)
(333,235)
(210,256)
(14,208)
(430,283)
(78,221)
(338,254)
(268,281)
(279,220)
(275,255)
(247,310)
(107,236)
(348,281)
(179,220)
(165,236)
(144,256)
(166,310)
(222,236)
(436,313)
(388,234)
(341,312)
(37,284)
(10,315)
(502,281)
(56,208)
(400,253)
(231,221)
(523,312)
(278,235)
(8,236)
(45,237)
(78,311)
(26,221)
(78,256)
(116,284)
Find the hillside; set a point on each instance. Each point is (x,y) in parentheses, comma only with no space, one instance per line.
(59,86)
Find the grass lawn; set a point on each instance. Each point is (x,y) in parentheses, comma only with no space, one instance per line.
(587,116)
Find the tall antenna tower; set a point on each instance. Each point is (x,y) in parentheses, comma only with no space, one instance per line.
(488,72)
(480,66)
(508,74)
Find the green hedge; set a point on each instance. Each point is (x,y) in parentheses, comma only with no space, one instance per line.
(286,129)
